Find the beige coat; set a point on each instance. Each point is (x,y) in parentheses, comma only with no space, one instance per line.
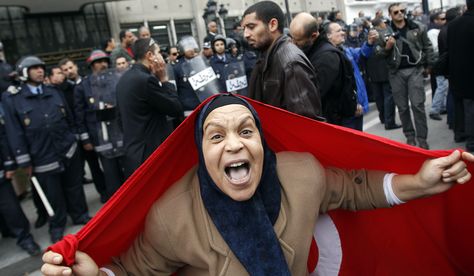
(179,234)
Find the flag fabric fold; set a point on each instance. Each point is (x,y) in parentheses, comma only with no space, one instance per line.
(430,236)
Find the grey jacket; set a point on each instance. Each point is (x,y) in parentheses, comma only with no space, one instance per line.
(419,44)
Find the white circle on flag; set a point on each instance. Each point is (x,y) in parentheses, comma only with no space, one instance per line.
(329,247)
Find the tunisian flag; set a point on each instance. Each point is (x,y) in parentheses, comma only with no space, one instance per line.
(432,236)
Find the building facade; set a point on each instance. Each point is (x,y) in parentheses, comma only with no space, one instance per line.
(57,29)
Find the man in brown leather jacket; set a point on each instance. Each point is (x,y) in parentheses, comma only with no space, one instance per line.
(283,76)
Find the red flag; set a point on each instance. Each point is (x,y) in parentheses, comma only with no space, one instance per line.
(424,237)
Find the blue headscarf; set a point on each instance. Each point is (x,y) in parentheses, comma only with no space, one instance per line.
(246,226)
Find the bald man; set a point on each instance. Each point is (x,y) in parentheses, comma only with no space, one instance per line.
(325,59)
(212,31)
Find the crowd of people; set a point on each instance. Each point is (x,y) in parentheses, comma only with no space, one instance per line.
(53,120)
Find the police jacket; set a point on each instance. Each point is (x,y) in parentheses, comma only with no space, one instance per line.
(144,105)
(285,78)
(7,162)
(219,66)
(98,125)
(183,71)
(418,42)
(39,128)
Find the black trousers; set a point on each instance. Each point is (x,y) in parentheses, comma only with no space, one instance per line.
(12,214)
(97,174)
(114,173)
(66,191)
(384,101)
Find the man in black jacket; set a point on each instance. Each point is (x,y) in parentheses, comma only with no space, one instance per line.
(283,76)
(145,99)
(323,55)
(461,70)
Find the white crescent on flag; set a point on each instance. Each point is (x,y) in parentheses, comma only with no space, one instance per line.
(329,247)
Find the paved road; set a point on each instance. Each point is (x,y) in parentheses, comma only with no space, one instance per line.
(13,261)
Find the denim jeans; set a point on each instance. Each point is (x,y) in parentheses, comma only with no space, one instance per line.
(439,99)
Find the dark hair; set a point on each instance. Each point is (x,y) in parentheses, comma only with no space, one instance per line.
(64,61)
(324,30)
(393,5)
(266,11)
(50,70)
(452,13)
(122,34)
(142,46)
(106,43)
(236,25)
(171,47)
(119,56)
(377,21)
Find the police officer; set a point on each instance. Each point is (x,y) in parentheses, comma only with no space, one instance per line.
(10,209)
(38,125)
(228,67)
(191,65)
(220,60)
(98,121)
(70,70)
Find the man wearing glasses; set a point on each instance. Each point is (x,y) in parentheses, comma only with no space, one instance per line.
(408,52)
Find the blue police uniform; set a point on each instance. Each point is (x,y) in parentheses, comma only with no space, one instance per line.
(38,127)
(219,64)
(89,118)
(10,209)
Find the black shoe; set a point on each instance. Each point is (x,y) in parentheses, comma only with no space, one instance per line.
(411,141)
(86,180)
(31,247)
(82,220)
(394,126)
(41,221)
(423,144)
(436,116)
(443,112)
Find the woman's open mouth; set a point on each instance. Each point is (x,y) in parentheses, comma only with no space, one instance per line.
(238,172)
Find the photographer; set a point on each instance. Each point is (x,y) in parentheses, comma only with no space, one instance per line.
(408,51)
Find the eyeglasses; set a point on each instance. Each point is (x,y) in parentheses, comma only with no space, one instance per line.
(174,54)
(442,18)
(399,11)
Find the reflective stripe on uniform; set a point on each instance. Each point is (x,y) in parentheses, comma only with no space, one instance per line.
(71,150)
(47,167)
(104,147)
(8,163)
(84,136)
(24,158)
(2,174)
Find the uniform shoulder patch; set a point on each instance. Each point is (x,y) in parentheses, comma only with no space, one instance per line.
(13,89)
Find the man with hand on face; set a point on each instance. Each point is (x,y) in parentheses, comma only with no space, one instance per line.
(39,130)
(98,121)
(283,76)
(246,210)
(145,98)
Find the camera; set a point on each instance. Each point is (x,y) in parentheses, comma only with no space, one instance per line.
(395,35)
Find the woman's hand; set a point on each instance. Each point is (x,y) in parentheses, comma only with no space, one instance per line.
(84,265)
